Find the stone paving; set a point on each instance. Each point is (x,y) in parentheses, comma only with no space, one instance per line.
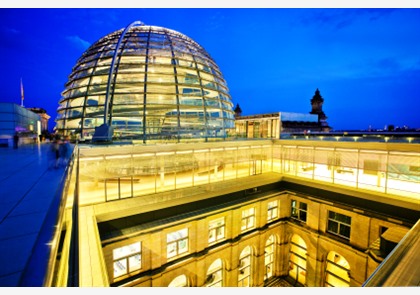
(28,186)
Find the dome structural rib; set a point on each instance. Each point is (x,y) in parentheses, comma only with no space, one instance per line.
(146,83)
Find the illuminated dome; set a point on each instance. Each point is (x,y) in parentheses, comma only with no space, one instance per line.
(147,83)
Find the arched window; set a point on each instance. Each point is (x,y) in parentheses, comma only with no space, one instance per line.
(269,257)
(244,269)
(214,276)
(179,281)
(337,271)
(297,260)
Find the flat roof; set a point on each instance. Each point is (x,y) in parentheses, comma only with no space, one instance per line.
(27,191)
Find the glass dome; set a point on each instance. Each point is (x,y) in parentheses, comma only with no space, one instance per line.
(147,83)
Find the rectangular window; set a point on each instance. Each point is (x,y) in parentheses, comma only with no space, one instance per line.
(248,219)
(216,230)
(177,243)
(299,210)
(339,224)
(126,259)
(272,210)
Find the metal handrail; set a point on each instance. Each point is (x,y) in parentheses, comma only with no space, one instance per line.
(73,263)
(390,273)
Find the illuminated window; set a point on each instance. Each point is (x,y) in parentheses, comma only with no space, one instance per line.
(126,259)
(269,257)
(339,224)
(179,281)
(215,274)
(216,230)
(248,219)
(299,210)
(177,243)
(244,276)
(297,259)
(272,211)
(337,271)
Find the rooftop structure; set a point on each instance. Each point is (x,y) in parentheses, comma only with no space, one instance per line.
(44,117)
(232,213)
(19,121)
(275,125)
(282,124)
(145,83)
(145,214)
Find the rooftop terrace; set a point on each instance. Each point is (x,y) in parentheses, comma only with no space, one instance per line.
(32,197)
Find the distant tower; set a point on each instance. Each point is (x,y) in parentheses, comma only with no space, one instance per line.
(237,110)
(316,103)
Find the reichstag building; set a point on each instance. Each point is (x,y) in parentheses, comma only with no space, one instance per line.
(162,194)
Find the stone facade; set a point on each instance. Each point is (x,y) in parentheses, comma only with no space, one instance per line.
(157,270)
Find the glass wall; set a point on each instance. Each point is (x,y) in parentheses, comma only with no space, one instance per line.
(389,172)
(149,83)
(139,172)
(122,172)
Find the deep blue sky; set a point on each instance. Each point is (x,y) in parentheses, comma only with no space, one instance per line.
(365,62)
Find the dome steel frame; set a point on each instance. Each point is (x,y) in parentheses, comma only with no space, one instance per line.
(146,83)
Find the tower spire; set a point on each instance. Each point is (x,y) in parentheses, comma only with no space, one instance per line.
(317,102)
(238,110)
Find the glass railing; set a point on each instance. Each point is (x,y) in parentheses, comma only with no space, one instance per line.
(380,168)
(117,172)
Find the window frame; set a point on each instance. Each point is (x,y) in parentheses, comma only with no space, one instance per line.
(244,269)
(176,242)
(214,228)
(125,259)
(269,258)
(216,273)
(293,264)
(329,271)
(297,212)
(248,219)
(339,225)
(273,212)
